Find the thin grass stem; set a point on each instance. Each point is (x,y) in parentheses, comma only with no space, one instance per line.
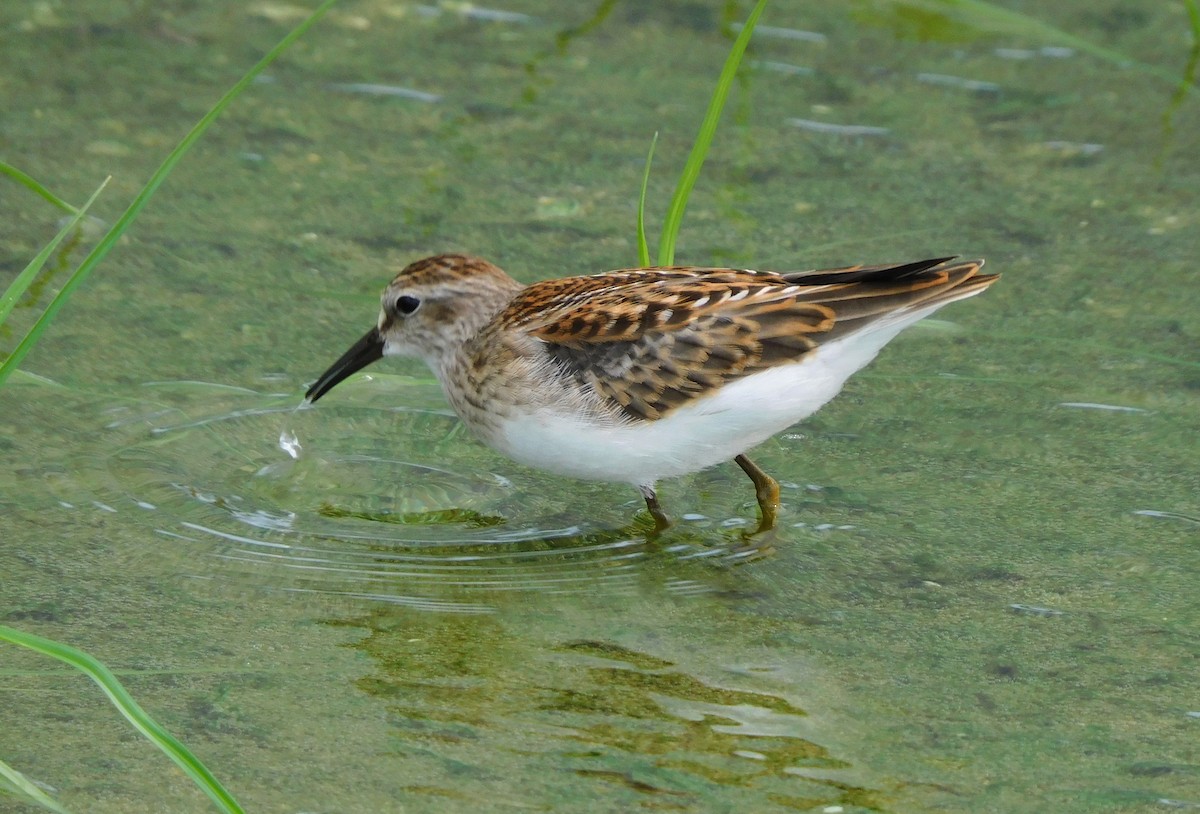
(25,789)
(118,229)
(643,247)
(23,280)
(133,712)
(691,169)
(26,180)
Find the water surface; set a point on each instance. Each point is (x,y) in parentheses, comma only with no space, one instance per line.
(982,593)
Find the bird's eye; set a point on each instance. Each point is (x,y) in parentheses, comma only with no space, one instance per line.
(405,305)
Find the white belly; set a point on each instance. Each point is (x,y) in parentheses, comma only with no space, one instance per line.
(715,428)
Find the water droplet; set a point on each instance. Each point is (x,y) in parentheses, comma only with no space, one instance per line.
(290,444)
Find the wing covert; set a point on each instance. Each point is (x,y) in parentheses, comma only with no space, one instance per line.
(651,340)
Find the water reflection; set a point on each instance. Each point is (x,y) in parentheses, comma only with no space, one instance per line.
(642,728)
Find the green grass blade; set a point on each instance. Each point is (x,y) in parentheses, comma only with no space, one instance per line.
(26,790)
(643,247)
(1193,10)
(995,19)
(26,180)
(137,716)
(23,280)
(691,170)
(114,234)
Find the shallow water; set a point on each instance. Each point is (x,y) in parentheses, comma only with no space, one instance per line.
(982,593)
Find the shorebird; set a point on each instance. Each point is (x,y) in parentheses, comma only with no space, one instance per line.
(642,374)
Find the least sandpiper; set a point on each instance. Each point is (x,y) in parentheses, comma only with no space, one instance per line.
(636,375)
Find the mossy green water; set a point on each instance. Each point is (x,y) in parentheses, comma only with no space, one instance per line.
(972,617)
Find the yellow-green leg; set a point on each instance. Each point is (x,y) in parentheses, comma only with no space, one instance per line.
(766,489)
(661,521)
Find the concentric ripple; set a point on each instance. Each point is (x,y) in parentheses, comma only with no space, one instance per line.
(369,500)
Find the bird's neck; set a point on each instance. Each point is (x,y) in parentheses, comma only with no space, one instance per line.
(470,328)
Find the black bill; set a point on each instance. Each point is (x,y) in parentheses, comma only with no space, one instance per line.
(365,351)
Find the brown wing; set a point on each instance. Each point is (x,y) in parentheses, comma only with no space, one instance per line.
(651,340)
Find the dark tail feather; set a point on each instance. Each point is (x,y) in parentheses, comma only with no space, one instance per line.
(864,274)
